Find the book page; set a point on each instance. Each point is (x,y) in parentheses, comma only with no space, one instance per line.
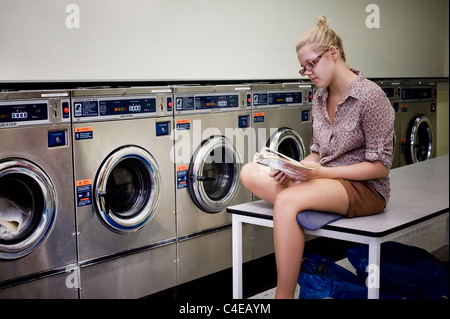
(276,160)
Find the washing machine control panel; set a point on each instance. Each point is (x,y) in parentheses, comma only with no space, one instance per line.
(26,113)
(206,102)
(113,108)
(420,93)
(277,98)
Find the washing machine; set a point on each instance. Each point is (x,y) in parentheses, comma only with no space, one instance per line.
(213,140)
(124,190)
(392,88)
(37,219)
(281,117)
(281,120)
(418,121)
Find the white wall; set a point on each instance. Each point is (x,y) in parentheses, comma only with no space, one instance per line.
(212,39)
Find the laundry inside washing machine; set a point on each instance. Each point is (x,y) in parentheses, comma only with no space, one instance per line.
(16,216)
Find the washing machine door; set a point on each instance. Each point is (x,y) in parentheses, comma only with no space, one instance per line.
(127,189)
(214,174)
(27,207)
(420,139)
(287,142)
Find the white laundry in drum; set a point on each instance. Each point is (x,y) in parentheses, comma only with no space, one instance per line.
(11,219)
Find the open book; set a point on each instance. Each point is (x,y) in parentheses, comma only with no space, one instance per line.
(276,160)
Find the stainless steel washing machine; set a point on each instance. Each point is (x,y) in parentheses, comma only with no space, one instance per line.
(418,121)
(37,220)
(281,120)
(213,140)
(392,89)
(124,191)
(281,117)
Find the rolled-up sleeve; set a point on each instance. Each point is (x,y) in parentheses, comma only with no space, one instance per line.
(378,125)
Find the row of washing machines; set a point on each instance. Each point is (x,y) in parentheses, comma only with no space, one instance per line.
(122,192)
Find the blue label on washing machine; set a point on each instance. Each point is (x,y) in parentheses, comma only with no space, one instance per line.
(162,128)
(84,192)
(84,133)
(258,117)
(243,121)
(182,176)
(306,115)
(183,125)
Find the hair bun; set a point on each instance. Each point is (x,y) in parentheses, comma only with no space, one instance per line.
(322,22)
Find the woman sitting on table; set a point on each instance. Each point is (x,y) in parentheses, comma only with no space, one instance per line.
(351,152)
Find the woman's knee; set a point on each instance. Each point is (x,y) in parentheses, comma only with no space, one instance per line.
(285,204)
(246,174)
(283,199)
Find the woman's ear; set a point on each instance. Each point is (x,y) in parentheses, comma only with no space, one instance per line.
(334,52)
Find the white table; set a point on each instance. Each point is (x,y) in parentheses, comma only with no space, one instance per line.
(419,195)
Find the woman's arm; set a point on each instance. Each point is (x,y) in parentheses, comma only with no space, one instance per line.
(357,172)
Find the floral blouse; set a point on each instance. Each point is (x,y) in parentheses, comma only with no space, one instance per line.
(363,129)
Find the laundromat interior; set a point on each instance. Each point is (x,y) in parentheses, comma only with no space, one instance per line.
(113,113)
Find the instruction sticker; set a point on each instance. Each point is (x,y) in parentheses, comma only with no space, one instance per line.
(258,117)
(84,133)
(183,125)
(182,176)
(84,192)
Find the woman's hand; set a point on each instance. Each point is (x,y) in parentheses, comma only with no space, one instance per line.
(282,177)
(300,175)
(303,174)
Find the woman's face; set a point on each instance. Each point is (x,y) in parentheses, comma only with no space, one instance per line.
(320,74)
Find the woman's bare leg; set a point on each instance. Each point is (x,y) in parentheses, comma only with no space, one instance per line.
(256,179)
(319,194)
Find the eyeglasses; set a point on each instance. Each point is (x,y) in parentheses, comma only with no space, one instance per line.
(309,66)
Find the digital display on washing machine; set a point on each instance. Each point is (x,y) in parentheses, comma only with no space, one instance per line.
(216,101)
(417,93)
(285,98)
(132,106)
(10,113)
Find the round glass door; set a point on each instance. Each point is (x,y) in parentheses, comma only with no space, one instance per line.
(420,141)
(287,142)
(214,174)
(127,189)
(27,207)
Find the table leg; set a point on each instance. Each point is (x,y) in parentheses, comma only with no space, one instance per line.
(373,269)
(237,257)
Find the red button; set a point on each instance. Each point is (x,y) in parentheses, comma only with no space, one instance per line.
(66,110)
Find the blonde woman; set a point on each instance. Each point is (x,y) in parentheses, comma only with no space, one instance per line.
(351,152)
